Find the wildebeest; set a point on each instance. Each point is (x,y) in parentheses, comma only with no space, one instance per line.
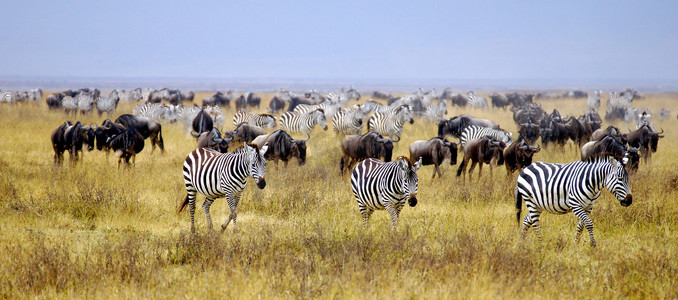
(355,148)
(104,132)
(518,155)
(146,127)
(59,141)
(456,125)
(77,135)
(248,99)
(281,146)
(126,145)
(218,98)
(610,130)
(202,123)
(277,104)
(646,140)
(499,101)
(433,152)
(484,150)
(610,146)
(244,132)
(213,140)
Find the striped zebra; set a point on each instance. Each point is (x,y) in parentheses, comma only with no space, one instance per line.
(572,187)
(437,112)
(261,120)
(618,100)
(293,121)
(7,97)
(475,101)
(348,120)
(217,175)
(377,107)
(390,124)
(472,132)
(327,106)
(379,185)
(593,100)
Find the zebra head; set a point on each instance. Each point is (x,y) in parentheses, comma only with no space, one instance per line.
(410,181)
(617,182)
(257,166)
(320,118)
(405,113)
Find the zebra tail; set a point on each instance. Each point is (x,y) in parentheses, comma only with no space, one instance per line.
(183,205)
(519,205)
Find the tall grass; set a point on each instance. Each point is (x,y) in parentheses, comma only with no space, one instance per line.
(92,230)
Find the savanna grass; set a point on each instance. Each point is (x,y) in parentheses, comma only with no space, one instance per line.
(91,230)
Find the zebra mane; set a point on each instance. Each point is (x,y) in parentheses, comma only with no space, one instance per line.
(409,162)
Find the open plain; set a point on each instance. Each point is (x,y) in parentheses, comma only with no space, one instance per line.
(91,230)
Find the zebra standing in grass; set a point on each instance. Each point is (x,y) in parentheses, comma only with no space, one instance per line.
(330,108)
(7,97)
(390,124)
(349,120)
(476,132)
(437,112)
(475,101)
(293,121)
(379,185)
(217,175)
(572,187)
(261,120)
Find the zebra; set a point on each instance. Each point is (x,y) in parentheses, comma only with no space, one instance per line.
(475,132)
(7,97)
(85,102)
(261,120)
(593,100)
(618,100)
(217,175)
(377,107)
(327,106)
(158,111)
(293,121)
(107,103)
(348,120)
(390,124)
(436,112)
(571,187)
(475,101)
(380,185)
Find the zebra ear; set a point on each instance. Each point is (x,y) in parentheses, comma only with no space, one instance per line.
(417,165)
(263,149)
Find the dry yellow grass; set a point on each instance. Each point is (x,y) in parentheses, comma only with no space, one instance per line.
(93,231)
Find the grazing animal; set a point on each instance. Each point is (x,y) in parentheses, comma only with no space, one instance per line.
(147,127)
(434,152)
(107,103)
(390,124)
(281,146)
(518,155)
(217,175)
(77,135)
(475,132)
(380,185)
(104,132)
(436,112)
(292,121)
(244,133)
(202,123)
(261,120)
(59,141)
(126,145)
(369,145)
(571,187)
(499,101)
(610,146)
(456,125)
(213,140)
(348,120)
(482,150)
(646,140)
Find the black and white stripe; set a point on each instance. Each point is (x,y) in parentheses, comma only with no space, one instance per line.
(475,101)
(348,120)
(436,112)
(293,121)
(476,132)
(217,175)
(379,185)
(390,124)
(261,120)
(572,187)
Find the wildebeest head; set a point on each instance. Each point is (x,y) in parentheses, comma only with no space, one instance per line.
(453,151)
(88,136)
(299,150)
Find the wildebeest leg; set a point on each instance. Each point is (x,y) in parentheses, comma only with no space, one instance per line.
(206,208)
(233,214)
(470,170)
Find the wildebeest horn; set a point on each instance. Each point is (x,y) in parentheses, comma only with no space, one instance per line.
(662,131)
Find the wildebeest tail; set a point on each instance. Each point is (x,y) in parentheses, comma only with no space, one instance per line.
(181,207)
(161,143)
(461,167)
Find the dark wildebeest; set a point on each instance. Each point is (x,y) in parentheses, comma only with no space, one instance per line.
(281,146)
(104,132)
(482,150)
(146,127)
(219,99)
(610,130)
(202,123)
(244,133)
(54,100)
(369,145)
(77,135)
(530,131)
(213,140)
(646,140)
(456,125)
(276,104)
(59,141)
(295,100)
(253,100)
(499,101)
(126,145)
(518,155)
(433,152)
(610,146)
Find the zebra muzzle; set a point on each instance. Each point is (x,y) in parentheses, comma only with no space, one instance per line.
(627,201)
(413,200)
(262,183)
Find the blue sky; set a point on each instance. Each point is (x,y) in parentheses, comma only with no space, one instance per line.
(351,40)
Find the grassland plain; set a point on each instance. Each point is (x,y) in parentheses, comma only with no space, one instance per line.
(90,230)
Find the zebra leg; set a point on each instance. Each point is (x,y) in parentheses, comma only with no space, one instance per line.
(530,220)
(233,212)
(366,213)
(206,208)
(580,228)
(394,212)
(191,207)
(584,218)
